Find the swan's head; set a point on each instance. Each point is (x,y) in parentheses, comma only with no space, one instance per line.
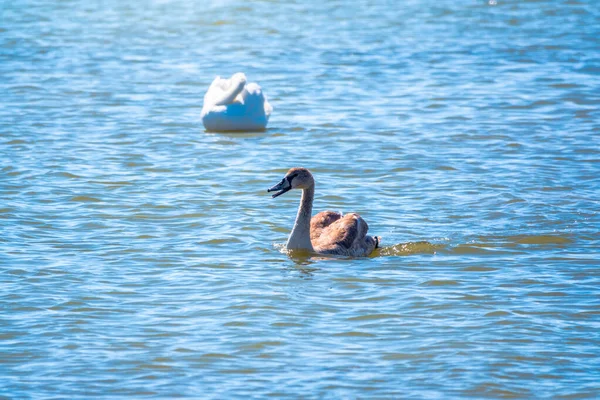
(238,79)
(296,178)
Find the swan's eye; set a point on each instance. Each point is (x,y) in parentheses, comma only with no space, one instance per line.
(289,178)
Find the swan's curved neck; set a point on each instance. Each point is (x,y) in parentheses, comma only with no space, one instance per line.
(300,236)
(229,95)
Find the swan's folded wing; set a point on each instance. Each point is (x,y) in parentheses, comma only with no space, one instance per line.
(344,233)
(214,91)
(256,100)
(321,221)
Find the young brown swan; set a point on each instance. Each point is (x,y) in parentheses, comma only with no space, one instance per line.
(327,232)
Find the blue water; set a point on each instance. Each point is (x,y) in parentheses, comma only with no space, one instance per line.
(141,256)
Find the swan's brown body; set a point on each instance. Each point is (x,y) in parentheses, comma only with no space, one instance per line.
(332,233)
(327,232)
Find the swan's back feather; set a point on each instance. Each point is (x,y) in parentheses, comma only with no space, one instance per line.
(321,221)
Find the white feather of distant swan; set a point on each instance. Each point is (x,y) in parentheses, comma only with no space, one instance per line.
(235,105)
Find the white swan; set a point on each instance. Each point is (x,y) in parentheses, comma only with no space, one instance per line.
(328,232)
(234,105)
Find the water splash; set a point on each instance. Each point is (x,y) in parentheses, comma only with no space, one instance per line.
(409,248)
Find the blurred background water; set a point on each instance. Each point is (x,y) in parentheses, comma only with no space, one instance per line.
(141,256)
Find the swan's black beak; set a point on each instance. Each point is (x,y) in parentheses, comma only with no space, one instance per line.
(281,187)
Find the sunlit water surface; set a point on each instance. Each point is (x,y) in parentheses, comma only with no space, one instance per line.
(141,255)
